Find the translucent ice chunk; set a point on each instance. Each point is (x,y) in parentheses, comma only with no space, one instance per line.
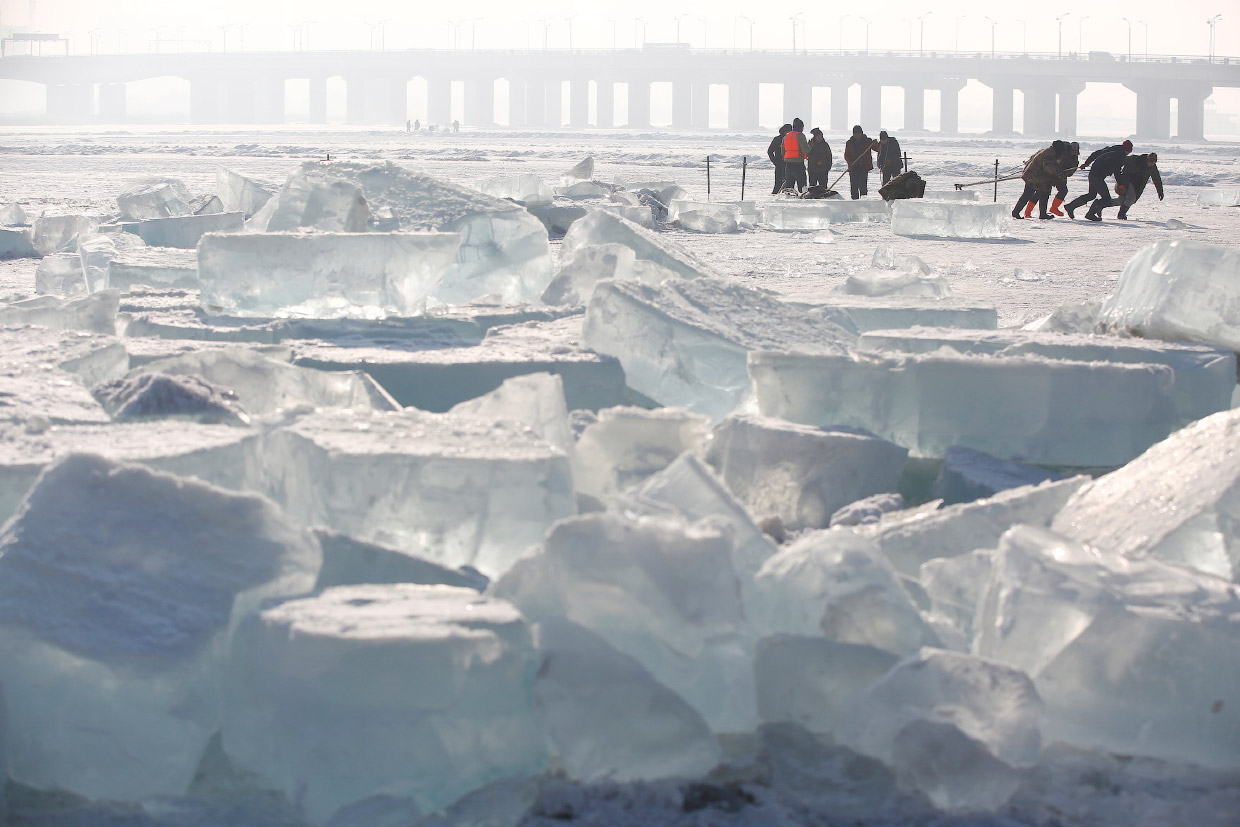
(348,561)
(575,279)
(15,243)
(59,233)
(453,490)
(112,669)
(264,385)
(207,205)
(95,254)
(1028,409)
(60,274)
(658,589)
(154,199)
(956,772)
(603,227)
(685,341)
(184,231)
(946,219)
(950,195)
(969,475)
(154,267)
(330,205)
(908,280)
(526,189)
(418,692)
(162,396)
(839,585)
(708,221)
(795,214)
(639,214)
(89,358)
(557,218)
(867,511)
(1174,502)
(798,473)
(242,193)
(955,586)
(627,444)
(892,312)
(583,189)
(1178,290)
(323,275)
(1219,197)
(12,215)
(608,718)
(805,680)
(583,170)
(989,702)
(95,313)
(743,211)
(535,400)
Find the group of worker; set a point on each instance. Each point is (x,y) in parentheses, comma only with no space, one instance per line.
(803,164)
(1050,168)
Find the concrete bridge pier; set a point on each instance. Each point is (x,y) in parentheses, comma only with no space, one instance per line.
(798,103)
(743,105)
(1191,103)
(949,107)
(439,101)
(553,100)
(639,103)
(914,109)
(535,102)
(605,103)
(839,107)
(1153,110)
(871,106)
(479,101)
(206,100)
(318,100)
(112,102)
(682,104)
(701,106)
(1067,108)
(516,102)
(1039,109)
(579,103)
(1002,122)
(268,95)
(70,102)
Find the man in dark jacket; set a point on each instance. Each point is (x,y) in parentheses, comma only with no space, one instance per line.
(1042,173)
(889,160)
(776,153)
(819,159)
(857,156)
(1101,165)
(1137,171)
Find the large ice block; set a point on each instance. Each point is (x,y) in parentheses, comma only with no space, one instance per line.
(89,358)
(119,590)
(535,401)
(950,195)
(838,584)
(95,313)
(799,473)
(412,692)
(323,275)
(15,243)
(795,214)
(1174,503)
(1219,197)
(603,227)
(162,396)
(685,342)
(526,189)
(576,277)
(805,679)
(1027,409)
(746,212)
(658,589)
(956,772)
(1181,291)
(1204,374)
(59,233)
(454,490)
(60,274)
(327,204)
(242,193)
(969,475)
(627,444)
(708,221)
(608,718)
(184,231)
(893,312)
(583,189)
(154,267)
(912,278)
(504,250)
(946,219)
(160,198)
(12,215)
(265,385)
(1134,657)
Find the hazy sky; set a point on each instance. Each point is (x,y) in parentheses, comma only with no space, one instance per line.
(1171,28)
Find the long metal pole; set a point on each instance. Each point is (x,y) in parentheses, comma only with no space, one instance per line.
(707,177)
(744,169)
(996,180)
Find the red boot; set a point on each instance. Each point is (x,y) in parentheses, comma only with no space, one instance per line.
(1029,209)
(1055,205)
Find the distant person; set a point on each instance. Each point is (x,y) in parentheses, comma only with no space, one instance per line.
(889,161)
(417,126)
(1137,171)
(456,126)
(857,155)
(776,153)
(818,167)
(1071,158)
(1101,165)
(1041,175)
(796,148)
(408,126)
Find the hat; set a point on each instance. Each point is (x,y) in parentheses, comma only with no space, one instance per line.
(883,135)
(797,123)
(857,130)
(1153,159)
(815,131)
(1076,147)
(1127,146)
(785,129)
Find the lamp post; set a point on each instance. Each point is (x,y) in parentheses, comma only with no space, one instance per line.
(798,18)
(1212,22)
(992,23)
(747,20)
(546,21)
(451,33)
(866,21)
(612,21)
(94,41)
(1080,35)
(1129,22)
(637,20)
(921,33)
(571,18)
(1059,20)
(679,17)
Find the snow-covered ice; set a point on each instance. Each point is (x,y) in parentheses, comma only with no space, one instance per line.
(163,396)
(894,312)
(603,227)
(944,219)
(95,313)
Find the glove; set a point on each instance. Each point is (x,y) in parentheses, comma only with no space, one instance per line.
(1119,189)
(1082,166)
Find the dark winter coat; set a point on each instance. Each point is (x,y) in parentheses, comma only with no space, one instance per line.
(858,149)
(1137,173)
(776,150)
(1107,161)
(819,155)
(1044,170)
(889,155)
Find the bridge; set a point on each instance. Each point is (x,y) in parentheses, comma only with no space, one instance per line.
(249,87)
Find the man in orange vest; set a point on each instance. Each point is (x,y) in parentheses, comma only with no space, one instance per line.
(796,149)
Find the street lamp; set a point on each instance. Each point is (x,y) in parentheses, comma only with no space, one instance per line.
(637,20)
(1212,22)
(921,33)
(1059,20)
(1080,35)
(992,23)
(959,17)
(1129,22)
(473,34)
(747,20)
(679,17)
(546,21)
(94,41)
(571,18)
(799,17)
(866,21)
(376,32)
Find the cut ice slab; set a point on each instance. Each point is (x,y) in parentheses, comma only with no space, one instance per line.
(95,313)
(326,204)
(943,219)
(661,590)
(154,199)
(603,227)
(154,267)
(795,214)
(1027,409)
(577,275)
(1219,197)
(1176,502)
(415,692)
(1204,375)
(800,473)
(892,312)
(119,590)
(264,385)
(242,193)
(708,221)
(583,170)
(950,195)
(583,189)
(535,400)
(969,475)
(88,357)
(1134,657)
(608,718)
(323,275)
(685,342)
(60,274)
(625,445)
(527,189)
(742,211)
(218,454)
(15,243)
(1179,290)
(184,231)
(457,491)
(909,280)
(59,233)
